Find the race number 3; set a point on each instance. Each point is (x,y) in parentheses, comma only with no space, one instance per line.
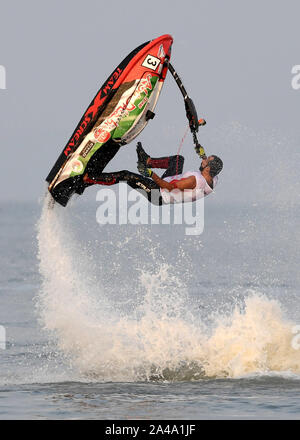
(151,62)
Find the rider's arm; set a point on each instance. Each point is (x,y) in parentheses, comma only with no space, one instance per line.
(188,183)
(162,183)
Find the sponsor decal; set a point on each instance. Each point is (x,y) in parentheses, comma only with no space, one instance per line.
(143,87)
(111,81)
(103,93)
(77,135)
(86,149)
(125,106)
(143,102)
(161,52)
(92,111)
(141,185)
(101,135)
(77,166)
(151,62)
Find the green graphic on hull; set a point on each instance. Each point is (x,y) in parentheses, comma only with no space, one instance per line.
(138,106)
(122,120)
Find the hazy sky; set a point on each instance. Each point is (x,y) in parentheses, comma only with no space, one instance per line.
(235,58)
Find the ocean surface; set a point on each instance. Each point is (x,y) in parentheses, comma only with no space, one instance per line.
(145,322)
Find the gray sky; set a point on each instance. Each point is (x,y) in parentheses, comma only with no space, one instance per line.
(235,58)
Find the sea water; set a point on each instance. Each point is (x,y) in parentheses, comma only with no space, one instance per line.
(144,322)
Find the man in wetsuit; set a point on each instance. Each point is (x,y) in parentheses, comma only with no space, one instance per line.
(173,187)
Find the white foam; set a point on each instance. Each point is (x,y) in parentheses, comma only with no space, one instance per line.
(160,338)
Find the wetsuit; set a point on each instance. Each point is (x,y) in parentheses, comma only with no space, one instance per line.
(172,164)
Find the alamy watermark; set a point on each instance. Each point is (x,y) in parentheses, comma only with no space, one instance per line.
(296,338)
(132,207)
(2,338)
(296,77)
(2,77)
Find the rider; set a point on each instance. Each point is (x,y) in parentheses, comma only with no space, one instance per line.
(174,186)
